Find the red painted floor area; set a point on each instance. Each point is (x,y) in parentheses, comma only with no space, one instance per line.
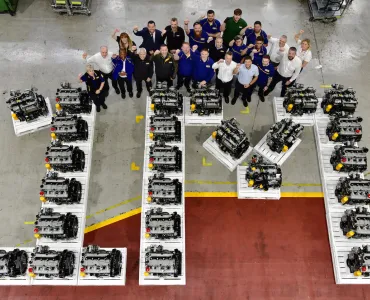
(236,249)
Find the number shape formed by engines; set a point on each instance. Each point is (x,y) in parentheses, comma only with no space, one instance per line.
(166,100)
(162,225)
(69,128)
(339,101)
(55,225)
(165,158)
(48,263)
(344,129)
(353,190)
(349,158)
(165,128)
(205,101)
(356,223)
(100,263)
(27,106)
(13,263)
(358,261)
(73,100)
(164,191)
(161,262)
(283,134)
(299,100)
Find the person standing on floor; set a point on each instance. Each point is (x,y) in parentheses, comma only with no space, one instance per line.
(203,72)
(174,35)
(143,71)
(252,34)
(210,25)
(95,84)
(232,26)
(287,71)
(304,49)
(185,59)
(266,72)
(197,36)
(276,44)
(102,61)
(258,51)
(226,68)
(247,77)
(152,37)
(216,49)
(238,48)
(165,67)
(123,71)
(124,41)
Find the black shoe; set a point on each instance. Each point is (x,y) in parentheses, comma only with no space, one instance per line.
(138,94)
(131,94)
(262,98)
(265,93)
(123,96)
(104,106)
(227,99)
(117,91)
(233,101)
(98,108)
(245,103)
(249,99)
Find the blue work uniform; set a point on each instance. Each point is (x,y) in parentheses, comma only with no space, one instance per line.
(264,73)
(257,57)
(201,41)
(186,64)
(203,70)
(213,28)
(251,36)
(236,50)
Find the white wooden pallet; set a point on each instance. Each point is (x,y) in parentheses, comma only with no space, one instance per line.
(150,112)
(20,280)
(106,281)
(193,119)
(320,112)
(226,159)
(278,158)
(246,192)
(280,114)
(22,128)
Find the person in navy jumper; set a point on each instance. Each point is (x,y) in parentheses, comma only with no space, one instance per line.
(185,58)
(238,49)
(203,72)
(210,25)
(266,71)
(123,70)
(197,36)
(152,37)
(252,33)
(258,51)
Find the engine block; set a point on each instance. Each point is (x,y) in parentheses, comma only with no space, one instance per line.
(162,225)
(73,100)
(358,261)
(231,138)
(64,158)
(164,191)
(283,135)
(13,263)
(353,190)
(338,101)
(27,106)
(165,158)
(165,128)
(349,158)
(160,262)
(299,100)
(344,129)
(166,100)
(356,223)
(205,101)
(69,128)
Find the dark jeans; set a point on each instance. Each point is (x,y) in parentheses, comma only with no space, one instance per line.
(181,80)
(246,92)
(225,87)
(139,85)
(169,81)
(275,80)
(98,99)
(121,83)
(106,85)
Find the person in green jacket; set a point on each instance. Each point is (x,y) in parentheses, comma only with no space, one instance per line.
(232,26)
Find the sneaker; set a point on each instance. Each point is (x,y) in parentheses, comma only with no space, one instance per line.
(117,91)
(249,99)
(138,94)
(104,106)
(227,99)
(233,101)
(123,96)
(98,108)
(262,98)
(131,94)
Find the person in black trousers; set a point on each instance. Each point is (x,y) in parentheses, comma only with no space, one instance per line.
(152,38)
(165,67)
(95,83)
(143,71)
(175,36)
(123,72)
(217,49)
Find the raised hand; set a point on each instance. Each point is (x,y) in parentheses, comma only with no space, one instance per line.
(195,47)
(186,22)
(84,55)
(301,31)
(157,52)
(250,46)
(116,30)
(221,61)
(136,28)
(164,31)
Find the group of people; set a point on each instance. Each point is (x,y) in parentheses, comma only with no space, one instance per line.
(214,49)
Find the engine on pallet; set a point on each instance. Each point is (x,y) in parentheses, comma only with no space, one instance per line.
(69,128)
(165,128)
(73,100)
(231,138)
(344,129)
(353,190)
(165,158)
(64,158)
(49,263)
(164,191)
(283,135)
(13,263)
(160,262)
(299,100)
(205,101)
(27,106)
(166,100)
(338,100)
(356,223)
(262,174)
(100,263)
(55,225)
(358,261)
(349,158)
(162,225)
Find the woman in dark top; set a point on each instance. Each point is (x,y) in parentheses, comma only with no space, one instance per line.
(124,42)
(94,82)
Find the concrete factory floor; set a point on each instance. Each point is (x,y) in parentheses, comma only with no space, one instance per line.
(40,48)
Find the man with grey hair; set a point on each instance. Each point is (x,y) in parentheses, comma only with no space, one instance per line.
(275,53)
(102,61)
(143,70)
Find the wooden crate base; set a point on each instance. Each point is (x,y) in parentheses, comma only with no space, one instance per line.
(280,114)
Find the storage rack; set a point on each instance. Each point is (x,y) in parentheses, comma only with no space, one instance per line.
(71,7)
(327,10)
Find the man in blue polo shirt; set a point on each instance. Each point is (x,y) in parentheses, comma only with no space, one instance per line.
(252,33)
(266,72)
(258,51)
(211,25)
(238,49)
(197,36)
(185,57)
(203,72)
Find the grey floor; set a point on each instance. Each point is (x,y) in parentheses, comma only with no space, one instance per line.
(40,48)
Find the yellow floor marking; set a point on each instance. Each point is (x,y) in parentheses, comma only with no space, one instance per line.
(29,222)
(325,86)
(134,167)
(246,111)
(366,174)
(205,163)
(138,118)
(244,163)
(234,182)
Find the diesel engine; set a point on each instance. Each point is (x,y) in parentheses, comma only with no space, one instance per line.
(339,100)
(164,191)
(27,106)
(262,174)
(283,135)
(165,128)
(13,263)
(349,158)
(100,263)
(73,100)
(51,263)
(344,129)
(231,139)
(353,190)
(166,100)
(64,158)
(165,158)
(358,261)
(205,101)
(356,223)
(69,128)
(299,100)
(54,225)
(162,225)
(160,262)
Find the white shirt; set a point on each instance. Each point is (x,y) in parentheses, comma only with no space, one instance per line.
(303,55)
(154,36)
(289,68)
(123,69)
(274,50)
(103,64)
(245,76)
(225,73)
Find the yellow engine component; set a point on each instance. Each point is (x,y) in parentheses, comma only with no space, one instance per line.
(285,148)
(350,234)
(147,235)
(42,199)
(48,166)
(37,235)
(82,274)
(344,200)
(150,166)
(149,199)
(14,116)
(250,182)
(53,135)
(193,107)
(33,275)
(58,106)
(290,107)
(261,186)
(152,106)
(357,273)
(253,169)
(338,167)
(146,273)
(151,135)
(214,134)
(334,136)
(328,108)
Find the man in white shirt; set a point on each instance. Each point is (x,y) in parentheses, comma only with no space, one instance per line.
(102,61)
(276,44)
(225,75)
(287,71)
